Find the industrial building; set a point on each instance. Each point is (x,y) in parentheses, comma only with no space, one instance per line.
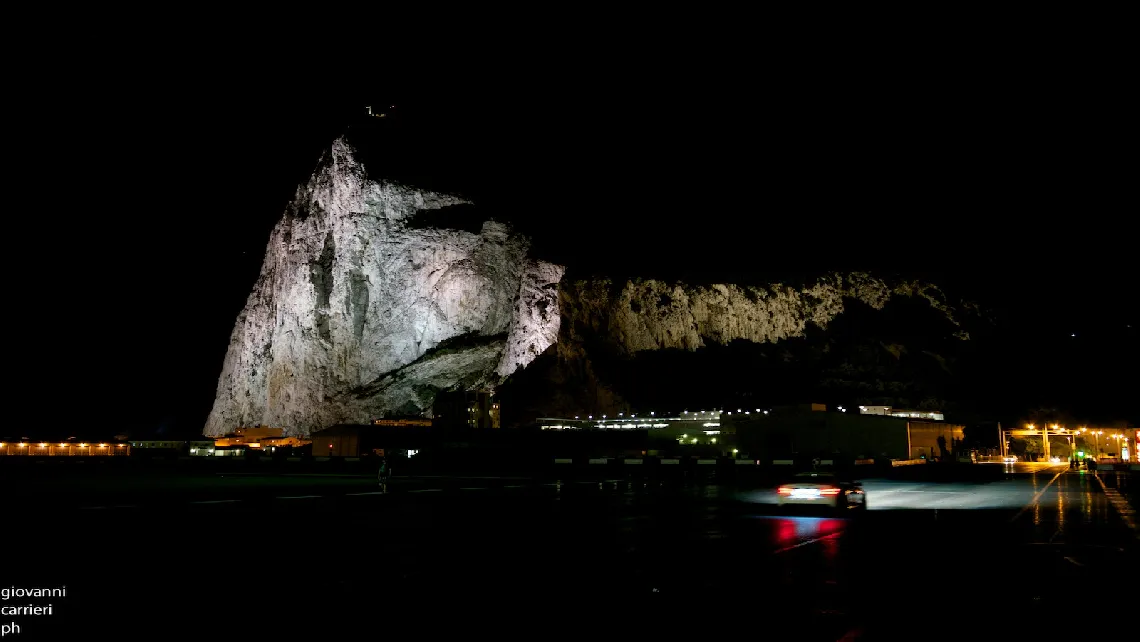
(62,449)
(811,431)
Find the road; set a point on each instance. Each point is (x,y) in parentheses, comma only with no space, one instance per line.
(926,559)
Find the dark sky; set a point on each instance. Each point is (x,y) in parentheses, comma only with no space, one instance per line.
(148,209)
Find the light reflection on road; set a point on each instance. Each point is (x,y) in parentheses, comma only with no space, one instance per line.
(790,531)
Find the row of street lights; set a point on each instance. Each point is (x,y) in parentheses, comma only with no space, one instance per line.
(1071,436)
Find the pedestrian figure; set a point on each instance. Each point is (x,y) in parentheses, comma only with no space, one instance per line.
(385,473)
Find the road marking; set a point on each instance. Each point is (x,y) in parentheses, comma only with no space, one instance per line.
(218,501)
(472,489)
(301,497)
(375,492)
(426,490)
(1120,504)
(1036,497)
(805,543)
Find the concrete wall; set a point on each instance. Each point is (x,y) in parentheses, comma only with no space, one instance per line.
(343,445)
(823,434)
(924,438)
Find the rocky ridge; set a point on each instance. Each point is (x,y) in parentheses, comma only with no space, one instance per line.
(359,313)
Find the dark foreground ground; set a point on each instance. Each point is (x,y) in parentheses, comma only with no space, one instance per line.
(299,555)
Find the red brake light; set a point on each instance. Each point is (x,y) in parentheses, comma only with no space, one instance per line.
(784,490)
(828,491)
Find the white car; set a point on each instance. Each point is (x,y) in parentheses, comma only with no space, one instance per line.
(1009,459)
(822,489)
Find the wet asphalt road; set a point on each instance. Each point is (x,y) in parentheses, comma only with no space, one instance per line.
(927,559)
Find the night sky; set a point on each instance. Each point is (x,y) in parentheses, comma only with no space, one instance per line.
(150,210)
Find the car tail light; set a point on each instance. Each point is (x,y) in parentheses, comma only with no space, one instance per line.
(828,491)
(784,490)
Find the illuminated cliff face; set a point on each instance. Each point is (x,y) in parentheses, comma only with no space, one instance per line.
(353,308)
(360,312)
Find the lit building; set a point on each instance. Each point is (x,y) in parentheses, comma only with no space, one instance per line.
(63,449)
(257,437)
(703,428)
(889,411)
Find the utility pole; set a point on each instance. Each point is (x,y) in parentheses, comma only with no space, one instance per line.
(1001,441)
(1045,438)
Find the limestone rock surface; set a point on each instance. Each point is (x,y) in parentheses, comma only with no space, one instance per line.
(651,315)
(351,293)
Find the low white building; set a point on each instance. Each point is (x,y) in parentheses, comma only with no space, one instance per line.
(890,411)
